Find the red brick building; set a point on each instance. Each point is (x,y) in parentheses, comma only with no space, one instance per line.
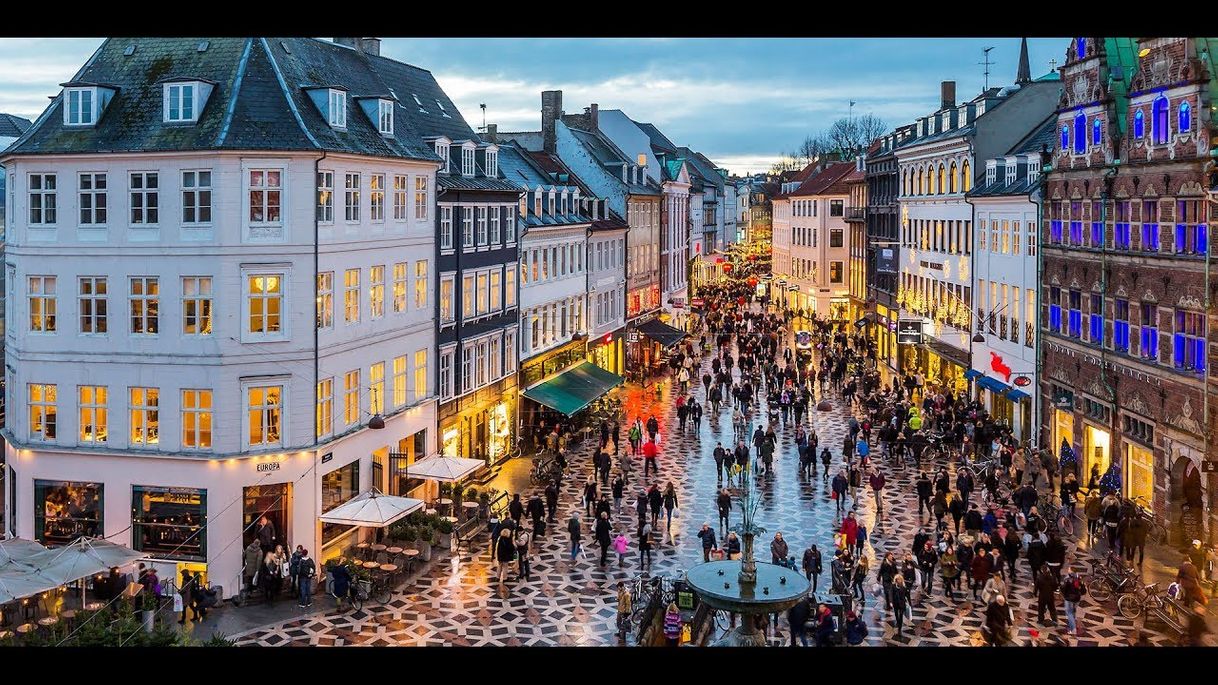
(1127,285)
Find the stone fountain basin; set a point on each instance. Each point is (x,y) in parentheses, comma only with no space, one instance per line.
(708,580)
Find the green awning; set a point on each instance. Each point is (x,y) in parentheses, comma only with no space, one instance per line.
(575,388)
(661,332)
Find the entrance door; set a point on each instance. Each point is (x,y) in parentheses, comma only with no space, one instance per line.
(1096,449)
(1063,429)
(272,501)
(1139,473)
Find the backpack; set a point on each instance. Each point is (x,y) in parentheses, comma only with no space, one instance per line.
(294,565)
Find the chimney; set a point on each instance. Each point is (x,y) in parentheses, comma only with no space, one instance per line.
(593,113)
(947,93)
(492,133)
(370,46)
(551,110)
(347,42)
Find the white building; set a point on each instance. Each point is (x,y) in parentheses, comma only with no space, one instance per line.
(1005,204)
(816,242)
(206,318)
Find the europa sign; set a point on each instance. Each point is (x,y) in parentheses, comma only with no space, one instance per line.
(267,466)
(1022,381)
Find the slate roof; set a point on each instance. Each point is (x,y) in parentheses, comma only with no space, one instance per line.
(823,183)
(703,167)
(12,126)
(1032,144)
(518,167)
(658,140)
(609,156)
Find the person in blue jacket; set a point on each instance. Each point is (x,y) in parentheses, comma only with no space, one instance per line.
(340,581)
(856,630)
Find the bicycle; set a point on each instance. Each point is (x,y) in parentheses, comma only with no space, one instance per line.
(1104,586)
(1144,599)
(357,593)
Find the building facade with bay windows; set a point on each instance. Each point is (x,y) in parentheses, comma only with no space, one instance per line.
(205,318)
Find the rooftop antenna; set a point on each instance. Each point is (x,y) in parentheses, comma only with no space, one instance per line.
(987,64)
(483,106)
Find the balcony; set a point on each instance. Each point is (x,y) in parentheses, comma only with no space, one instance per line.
(856,213)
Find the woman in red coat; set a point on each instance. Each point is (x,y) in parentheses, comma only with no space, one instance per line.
(850,528)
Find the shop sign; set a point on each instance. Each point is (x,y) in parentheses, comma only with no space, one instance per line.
(325,458)
(886,261)
(1022,381)
(909,331)
(936,266)
(678,303)
(267,466)
(632,336)
(697,302)
(1209,466)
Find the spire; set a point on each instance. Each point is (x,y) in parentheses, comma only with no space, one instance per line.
(1024,75)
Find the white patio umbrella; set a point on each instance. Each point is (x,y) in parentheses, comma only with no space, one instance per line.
(17,584)
(372,509)
(444,469)
(82,558)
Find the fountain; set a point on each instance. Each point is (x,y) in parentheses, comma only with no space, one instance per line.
(744,586)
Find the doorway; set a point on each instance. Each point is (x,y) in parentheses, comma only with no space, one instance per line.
(1096,449)
(271,501)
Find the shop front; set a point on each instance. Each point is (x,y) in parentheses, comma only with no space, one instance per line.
(884,334)
(1097,443)
(1139,471)
(66,510)
(537,419)
(942,370)
(479,425)
(840,310)
(608,352)
(565,395)
(409,450)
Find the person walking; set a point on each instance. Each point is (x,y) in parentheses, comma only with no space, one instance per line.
(271,575)
(797,618)
(620,545)
(306,572)
(523,540)
(857,578)
(505,553)
(552,501)
(724,504)
(574,530)
(590,496)
(720,455)
(877,482)
(624,608)
(670,503)
(887,575)
(813,567)
(1046,595)
(979,570)
(1072,590)
(635,436)
(899,597)
(619,489)
(604,536)
(999,622)
(187,592)
(924,490)
(645,536)
(656,501)
(949,568)
(707,535)
(650,458)
(839,489)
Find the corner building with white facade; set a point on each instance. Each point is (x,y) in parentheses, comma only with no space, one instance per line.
(220,258)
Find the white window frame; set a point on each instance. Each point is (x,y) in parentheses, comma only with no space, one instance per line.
(492,163)
(43,409)
(76,106)
(37,292)
(421,278)
(447,357)
(482,306)
(351,397)
(480,226)
(325,196)
(376,388)
(324,412)
(510,351)
(93,194)
(42,193)
(420,198)
(399,286)
(399,381)
(144,308)
(183,95)
(247,389)
(496,233)
(384,109)
(469,164)
(400,183)
(200,414)
(421,373)
(325,299)
(469,293)
(442,150)
(247,297)
(509,289)
(336,110)
(494,355)
(495,283)
(196,196)
(147,406)
(351,188)
(509,224)
(467,228)
(93,413)
(376,198)
(90,301)
(271,195)
(376,291)
(448,309)
(351,296)
(446,229)
(144,214)
(199,292)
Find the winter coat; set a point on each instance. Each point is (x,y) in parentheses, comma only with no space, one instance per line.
(812,561)
(732,545)
(876,481)
(779,550)
(1046,585)
(949,567)
(839,484)
(980,568)
(850,528)
(708,538)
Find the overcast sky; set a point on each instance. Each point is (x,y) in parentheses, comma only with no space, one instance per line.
(741,102)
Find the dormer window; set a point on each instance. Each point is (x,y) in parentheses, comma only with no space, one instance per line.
(537,202)
(1011,168)
(181,102)
(82,107)
(468,165)
(553,196)
(442,153)
(385,117)
(980,108)
(492,162)
(336,113)
(991,172)
(1034,169)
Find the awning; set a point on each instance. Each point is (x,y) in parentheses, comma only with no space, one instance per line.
(972,373)
(29,568)
(993,384)
(661,332)
(1017,395)
(445,469)
(371,509)
(575,388)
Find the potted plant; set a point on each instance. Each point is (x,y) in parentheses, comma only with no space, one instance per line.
(445,530)
(458,497)
(148,608)
(425,542)
(446,490)
(484,505)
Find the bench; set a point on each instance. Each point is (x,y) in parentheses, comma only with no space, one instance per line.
(467,531)
(1173,615)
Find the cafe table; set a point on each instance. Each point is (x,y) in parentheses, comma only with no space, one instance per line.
(94,606)
(371,565)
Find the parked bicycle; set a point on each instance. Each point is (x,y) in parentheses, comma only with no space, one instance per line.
(1156,531)
(1144,599)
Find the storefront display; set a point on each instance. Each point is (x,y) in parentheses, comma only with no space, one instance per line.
(1096,444)
(337,487)
(1139,472)
(272,501)
(168,523)
(64,511)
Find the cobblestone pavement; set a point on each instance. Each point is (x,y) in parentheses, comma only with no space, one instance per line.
(573,603)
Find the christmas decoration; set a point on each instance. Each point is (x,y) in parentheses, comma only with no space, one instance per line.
(1111,481)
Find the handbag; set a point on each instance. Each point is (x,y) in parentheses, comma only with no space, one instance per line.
(285,570)
(177,602)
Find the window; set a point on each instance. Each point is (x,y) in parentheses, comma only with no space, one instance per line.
(420,374)
(467,160)
(1139,125)
(1076,314)
(835,272)
(467,368)
(337,114)
(93,415)
(1160,127)
(145,305)
(446,374)
(93,304)
(1120,326)
(351,296)
(1065,138)
(1055,309)
(1080,48)
(384,117)
(145,415)
(325,299)
(446,228)
(509,345)
(1150,331)
(480,365)
(196,197)
(496,296)
(264,408)
(492,163)
(1150,226)
(966,176)
(196,305)
(420,284)
(467,228)
(325,407)
(93,199)
(836,237)
(351,397)
(467,296)
(196,419)
(509,224)
(1121,233)
(42,304)
(168,523)
(1097,131)
(441,150)
(420,198)
(376,291)
(43,410)
(1191,229)
(1095,320)
(509,289)
(1188,342)
(351,192)
(264,295)
(537,202)
(80,110)
(496,234)
(1184,120)
(265,186)
(376,198)
(483,293)
(325,196)
(482,233)
(495,359)
(446,299)
(400,191)
(180,102)
(376,388)
(1080,133)
(42,199)
(399,381)
(835,206)
(337,487)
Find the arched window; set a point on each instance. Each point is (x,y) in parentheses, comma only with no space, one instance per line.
(930,182)
(1159,124)
(1139,125)
(1080,47)
(942,179)
(1065,138)
(1080,134)
(1185,118)
(967,175)
(920,181)
(1097,131)
(954,179)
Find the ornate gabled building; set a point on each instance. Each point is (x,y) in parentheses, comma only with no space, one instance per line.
(1127,316)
